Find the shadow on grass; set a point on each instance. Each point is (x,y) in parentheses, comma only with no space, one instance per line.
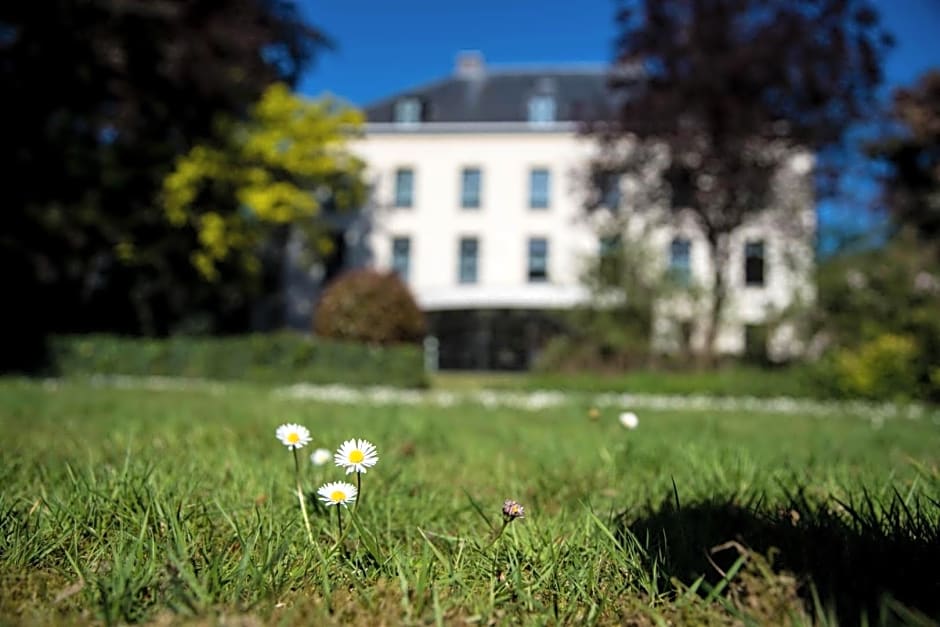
(867,560)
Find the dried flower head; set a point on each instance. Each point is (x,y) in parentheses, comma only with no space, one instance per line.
(512,510)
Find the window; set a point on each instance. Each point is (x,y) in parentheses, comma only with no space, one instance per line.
(680,260)
(408,111)
(404,187)
(539,182)
(609,184)
(538,259)
(754,263)
(470,188)
(541,109)
(469,251)
(401,256)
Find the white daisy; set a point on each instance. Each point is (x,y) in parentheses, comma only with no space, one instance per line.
(337,493)
(320,456)
(356,456)
(293,436)
(629,420)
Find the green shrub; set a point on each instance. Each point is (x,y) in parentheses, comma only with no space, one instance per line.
(884,368)
(278,357)
(596,352)
(866,302)
(369,306)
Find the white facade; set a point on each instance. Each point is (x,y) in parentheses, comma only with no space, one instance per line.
(504,222)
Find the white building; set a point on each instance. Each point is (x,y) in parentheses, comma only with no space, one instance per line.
(478,203)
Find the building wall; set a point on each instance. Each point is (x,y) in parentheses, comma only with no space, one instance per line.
(504,222)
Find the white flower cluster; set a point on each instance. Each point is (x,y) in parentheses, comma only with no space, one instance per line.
(542,399)
(877,413)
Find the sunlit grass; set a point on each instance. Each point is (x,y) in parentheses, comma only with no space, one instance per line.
(125,505)
(731,380)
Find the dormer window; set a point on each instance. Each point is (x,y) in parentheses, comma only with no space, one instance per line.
(408,111)
(541,109)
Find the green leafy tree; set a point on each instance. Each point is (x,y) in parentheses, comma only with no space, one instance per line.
(284,165)
(100,100)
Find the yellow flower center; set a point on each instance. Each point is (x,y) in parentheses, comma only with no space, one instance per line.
(293,437)
(338,496)
(356,456)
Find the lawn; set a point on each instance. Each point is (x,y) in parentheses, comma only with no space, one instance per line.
(730,380)
(176,504)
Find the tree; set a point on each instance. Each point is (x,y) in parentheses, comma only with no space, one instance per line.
(610,331)
(282,166)
(102,96)
(912,154)
(716,96)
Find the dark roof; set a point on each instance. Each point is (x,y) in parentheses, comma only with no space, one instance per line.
(503,96)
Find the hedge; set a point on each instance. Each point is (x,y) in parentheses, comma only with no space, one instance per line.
(277,357)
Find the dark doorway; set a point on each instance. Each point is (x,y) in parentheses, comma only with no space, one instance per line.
(490,339)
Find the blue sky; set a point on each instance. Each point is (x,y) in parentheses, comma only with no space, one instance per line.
(383,47)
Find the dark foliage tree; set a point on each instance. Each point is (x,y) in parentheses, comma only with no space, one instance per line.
(100,98)
(912,154)
(721,93)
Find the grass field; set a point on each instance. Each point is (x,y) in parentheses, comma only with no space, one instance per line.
(731,380)
(177,505)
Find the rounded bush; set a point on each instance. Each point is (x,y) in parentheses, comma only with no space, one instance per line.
(882,369)
(369,306)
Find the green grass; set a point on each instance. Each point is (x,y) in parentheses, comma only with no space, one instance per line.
(726,381)
(177,506)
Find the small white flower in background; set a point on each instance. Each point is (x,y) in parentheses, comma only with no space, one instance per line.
(337,493)
(356,456)
(629,420)
(293,436)
(320,456)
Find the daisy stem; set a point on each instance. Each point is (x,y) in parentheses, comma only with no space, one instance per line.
(358,490)
(300,497)
(500,531)
(339,522)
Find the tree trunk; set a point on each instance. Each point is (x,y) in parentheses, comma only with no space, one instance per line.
(718,250)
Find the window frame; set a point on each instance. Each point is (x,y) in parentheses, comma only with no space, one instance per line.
(462,265)
(402,274)
(477,201)
(539,104)
(531,276)
(682,274)
(547,199)
(611,194)
(410,104)
(397,201)
(760,266)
